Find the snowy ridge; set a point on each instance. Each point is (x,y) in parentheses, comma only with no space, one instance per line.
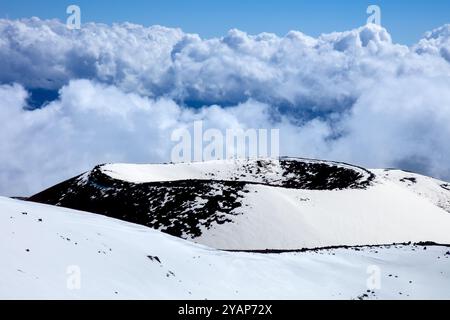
(436,191)
(265,204)
(38,243)
(265,171)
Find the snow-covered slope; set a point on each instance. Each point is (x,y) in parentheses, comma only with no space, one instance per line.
(436,191)
(50,252)
(265,204)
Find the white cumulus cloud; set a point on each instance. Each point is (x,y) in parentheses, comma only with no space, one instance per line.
(354,96)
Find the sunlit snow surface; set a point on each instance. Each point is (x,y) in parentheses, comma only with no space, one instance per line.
(116,260)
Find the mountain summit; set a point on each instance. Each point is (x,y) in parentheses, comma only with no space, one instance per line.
(284,204)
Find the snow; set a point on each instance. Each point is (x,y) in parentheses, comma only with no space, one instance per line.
(229,170)
(396,207)
(112,257)
(436,191)
(279,218)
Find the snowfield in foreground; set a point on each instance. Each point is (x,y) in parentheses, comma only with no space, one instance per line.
(39,244)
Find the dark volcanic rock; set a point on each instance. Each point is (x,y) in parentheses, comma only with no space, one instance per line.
(323,176)
(182,208)
(179,208)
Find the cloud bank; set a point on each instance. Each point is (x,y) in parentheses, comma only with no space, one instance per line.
(121,90)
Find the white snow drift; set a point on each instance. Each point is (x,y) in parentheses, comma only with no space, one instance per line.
(41,247)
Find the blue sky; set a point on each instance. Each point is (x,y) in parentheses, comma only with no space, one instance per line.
(406,20)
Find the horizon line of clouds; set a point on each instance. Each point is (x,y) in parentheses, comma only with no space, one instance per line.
(353,96)
(426,33)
